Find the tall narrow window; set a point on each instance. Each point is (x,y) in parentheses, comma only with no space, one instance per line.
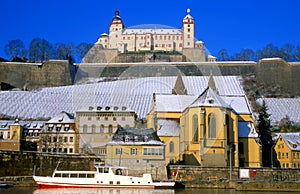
(93,128)
(212,131)
(101,128)
(195,129)
(171,147)
(84,128)
(110,129)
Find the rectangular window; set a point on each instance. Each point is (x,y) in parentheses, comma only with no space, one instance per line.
(287,155)
(152,151)
(65,139)
(70,150)
(60,139)
(118,151)
(133,151)
(71,139)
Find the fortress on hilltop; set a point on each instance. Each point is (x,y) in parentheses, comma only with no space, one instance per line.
(149,38)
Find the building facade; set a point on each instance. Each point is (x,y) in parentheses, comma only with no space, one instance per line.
(287,149)
(11,136)
(98,124)
(59,135)
(138,147)
(211,127)
(150,37)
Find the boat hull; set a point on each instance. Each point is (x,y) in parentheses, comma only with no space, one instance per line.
(47,182)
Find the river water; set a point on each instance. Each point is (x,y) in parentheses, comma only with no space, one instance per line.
(32,190)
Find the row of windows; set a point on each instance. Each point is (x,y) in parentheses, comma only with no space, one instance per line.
(282,155)
(212,127)
(59,150)
(7,135)
(58,128)
(146,151)
(60,139)
(287,165)
(178,37)
(107,118)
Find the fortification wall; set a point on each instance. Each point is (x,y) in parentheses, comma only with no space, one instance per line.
(37,75)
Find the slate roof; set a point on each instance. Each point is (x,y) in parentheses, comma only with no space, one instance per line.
(136,94)
(135,136)
(279,108)
(62,118)
(151,29)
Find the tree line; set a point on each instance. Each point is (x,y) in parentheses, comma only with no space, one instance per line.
(41,50)
(288,52)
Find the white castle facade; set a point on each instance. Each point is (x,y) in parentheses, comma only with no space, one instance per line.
(150,37)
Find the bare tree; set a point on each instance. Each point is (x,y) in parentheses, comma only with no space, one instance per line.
(15,48)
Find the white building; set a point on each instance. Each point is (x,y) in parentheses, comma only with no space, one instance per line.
(150,37)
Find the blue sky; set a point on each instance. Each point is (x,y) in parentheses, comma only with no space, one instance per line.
(232,25)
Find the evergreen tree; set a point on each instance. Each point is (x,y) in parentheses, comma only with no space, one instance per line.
(264,131)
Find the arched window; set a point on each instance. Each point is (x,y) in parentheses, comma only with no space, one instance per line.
(84,128)
(195,129)
(110,129)
(212,128)
(171,147)
(101,128)
(93,128)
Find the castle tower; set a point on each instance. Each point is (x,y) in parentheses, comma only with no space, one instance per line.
(115,31)
(188,30)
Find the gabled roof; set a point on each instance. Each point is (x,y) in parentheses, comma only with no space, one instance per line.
(63,117)
(209,98)
(172,103)
(292,140)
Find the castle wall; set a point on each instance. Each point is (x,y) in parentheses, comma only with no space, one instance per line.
(33,75)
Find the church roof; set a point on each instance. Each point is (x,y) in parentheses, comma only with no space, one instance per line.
(246,130)
(209,98)
(179,87)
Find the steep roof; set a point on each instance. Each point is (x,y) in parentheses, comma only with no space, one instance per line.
(179,87)
(209,98)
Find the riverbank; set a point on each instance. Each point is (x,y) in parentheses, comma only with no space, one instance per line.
(287,186)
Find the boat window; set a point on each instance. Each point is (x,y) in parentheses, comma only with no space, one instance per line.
(118,182)
(119,171)
(111,182)
(90,175)
(57,175)
(106,170)
(74,175)
(100,170)
(82,175)
(65,175)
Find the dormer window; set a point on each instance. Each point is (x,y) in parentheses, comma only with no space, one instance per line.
(126,138)
(210,101)
(136,138)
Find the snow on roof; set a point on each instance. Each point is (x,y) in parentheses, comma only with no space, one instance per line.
(172,103)
(247,129)
(279,108)
(292,140)
(209,98)
(238,103)
(63,117)
(136,94)
(151,29)
(168,128)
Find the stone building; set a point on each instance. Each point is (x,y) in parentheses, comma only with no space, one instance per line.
(97,126)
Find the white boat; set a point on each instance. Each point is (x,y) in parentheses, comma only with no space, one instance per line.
(102,177)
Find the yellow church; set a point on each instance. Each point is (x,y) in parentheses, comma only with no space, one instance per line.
(206,130)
